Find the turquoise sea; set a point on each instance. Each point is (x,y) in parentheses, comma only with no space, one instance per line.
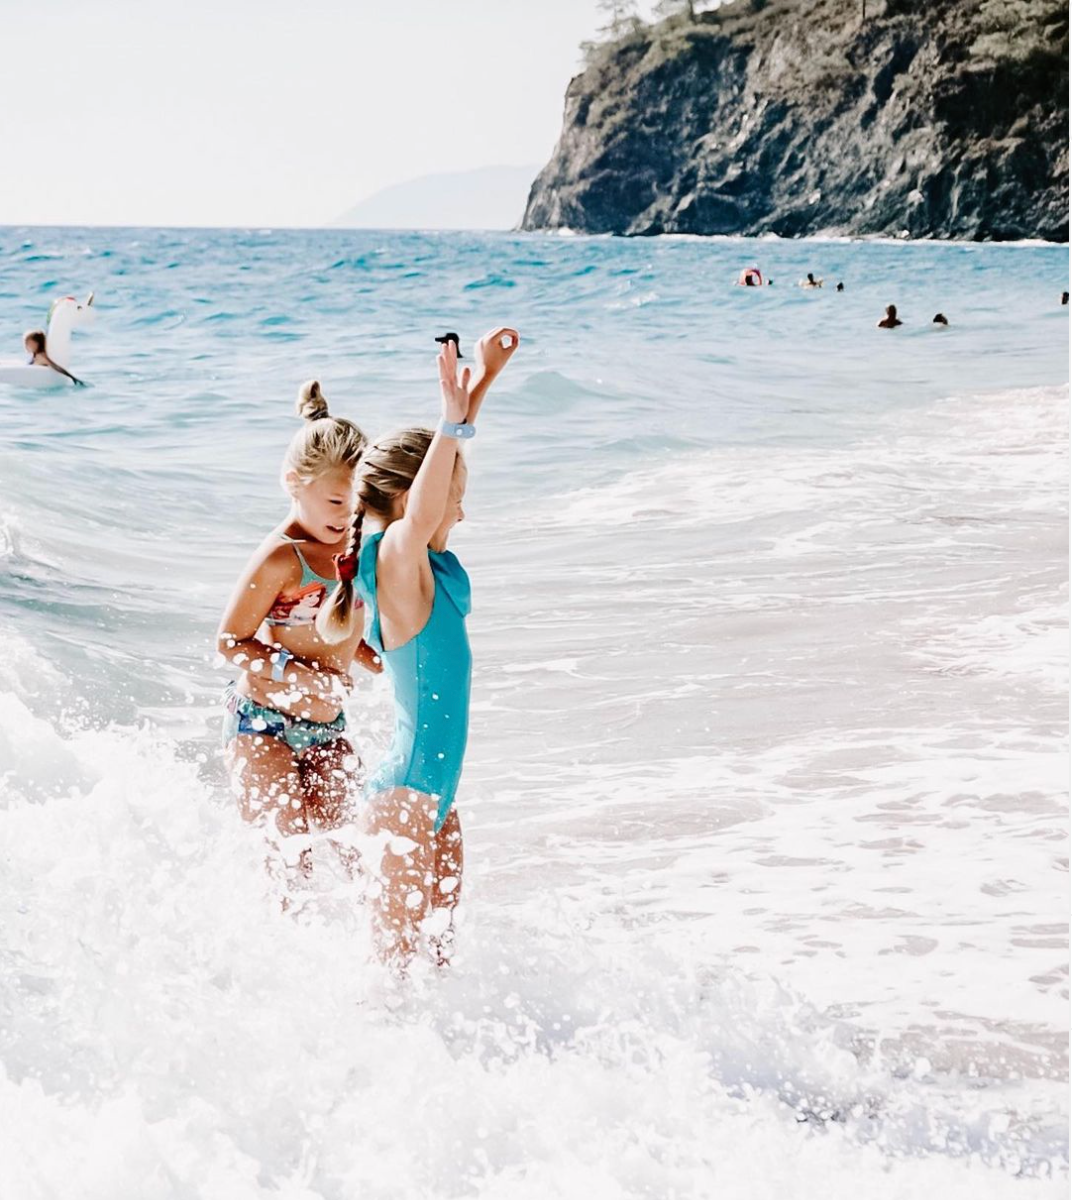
(767,791)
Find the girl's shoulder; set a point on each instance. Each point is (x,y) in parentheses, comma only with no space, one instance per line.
(379,553)
(384,563)
(275,560)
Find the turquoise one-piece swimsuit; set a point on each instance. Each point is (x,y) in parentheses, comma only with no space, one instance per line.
(431,675)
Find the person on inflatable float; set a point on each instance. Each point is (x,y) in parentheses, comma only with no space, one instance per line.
(35,342)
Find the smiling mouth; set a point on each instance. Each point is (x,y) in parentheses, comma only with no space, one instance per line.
(337,528)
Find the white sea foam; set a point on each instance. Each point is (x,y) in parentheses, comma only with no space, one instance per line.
(950,452)
(168,1033)
(832,689)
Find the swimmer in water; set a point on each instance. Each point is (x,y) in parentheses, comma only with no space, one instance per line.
(1064,297)
(34,341)
(811,282)
(890,321)
(940,319)
(840,287)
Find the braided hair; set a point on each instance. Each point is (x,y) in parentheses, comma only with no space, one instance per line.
(386,471)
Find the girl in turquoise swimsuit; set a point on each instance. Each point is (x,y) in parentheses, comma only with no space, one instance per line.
(284,729)
(410,487)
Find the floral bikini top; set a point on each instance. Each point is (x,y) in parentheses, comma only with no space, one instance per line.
(301,607)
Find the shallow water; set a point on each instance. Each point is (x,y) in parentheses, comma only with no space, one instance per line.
(766,799)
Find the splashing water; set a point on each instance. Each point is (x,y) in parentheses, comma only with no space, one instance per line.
(765,807)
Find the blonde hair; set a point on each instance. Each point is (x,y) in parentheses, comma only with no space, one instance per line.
(387,470)
(324,442)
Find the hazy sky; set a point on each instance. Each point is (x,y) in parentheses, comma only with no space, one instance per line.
(268,112)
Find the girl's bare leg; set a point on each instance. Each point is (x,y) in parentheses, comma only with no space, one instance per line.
(327,780)
(447,888)
(328,783)
(404,819)
(266,781)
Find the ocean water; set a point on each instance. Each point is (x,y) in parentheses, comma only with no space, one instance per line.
(766,797)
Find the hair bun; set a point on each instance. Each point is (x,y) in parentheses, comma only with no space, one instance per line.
(311,403)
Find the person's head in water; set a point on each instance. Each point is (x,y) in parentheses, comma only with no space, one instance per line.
(387,471)
(318,468)
(749,280)
(840,287)
(1064,297)
(34,341)
(811,277)
(940,319)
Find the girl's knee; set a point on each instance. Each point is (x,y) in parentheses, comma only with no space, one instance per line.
(329,790)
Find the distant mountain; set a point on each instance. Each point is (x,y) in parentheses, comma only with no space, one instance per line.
(486,198)
(926,118)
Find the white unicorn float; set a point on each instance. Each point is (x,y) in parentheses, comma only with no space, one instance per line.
(64,315)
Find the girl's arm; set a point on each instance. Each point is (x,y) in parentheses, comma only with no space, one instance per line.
(366,657)
(406,588)
(63,371)
(426,502)
(254,594)
(491,357)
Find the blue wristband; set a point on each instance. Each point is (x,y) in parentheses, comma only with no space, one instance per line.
(280,664)
(456,429)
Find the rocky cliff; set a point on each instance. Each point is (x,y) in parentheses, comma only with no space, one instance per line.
(935,118)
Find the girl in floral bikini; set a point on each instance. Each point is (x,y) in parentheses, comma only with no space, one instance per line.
(284,728)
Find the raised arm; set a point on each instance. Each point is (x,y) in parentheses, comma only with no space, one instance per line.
(491,356)
(426,501)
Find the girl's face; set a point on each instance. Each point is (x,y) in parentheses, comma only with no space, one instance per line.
(454,511)
(32,345)
(324,506)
